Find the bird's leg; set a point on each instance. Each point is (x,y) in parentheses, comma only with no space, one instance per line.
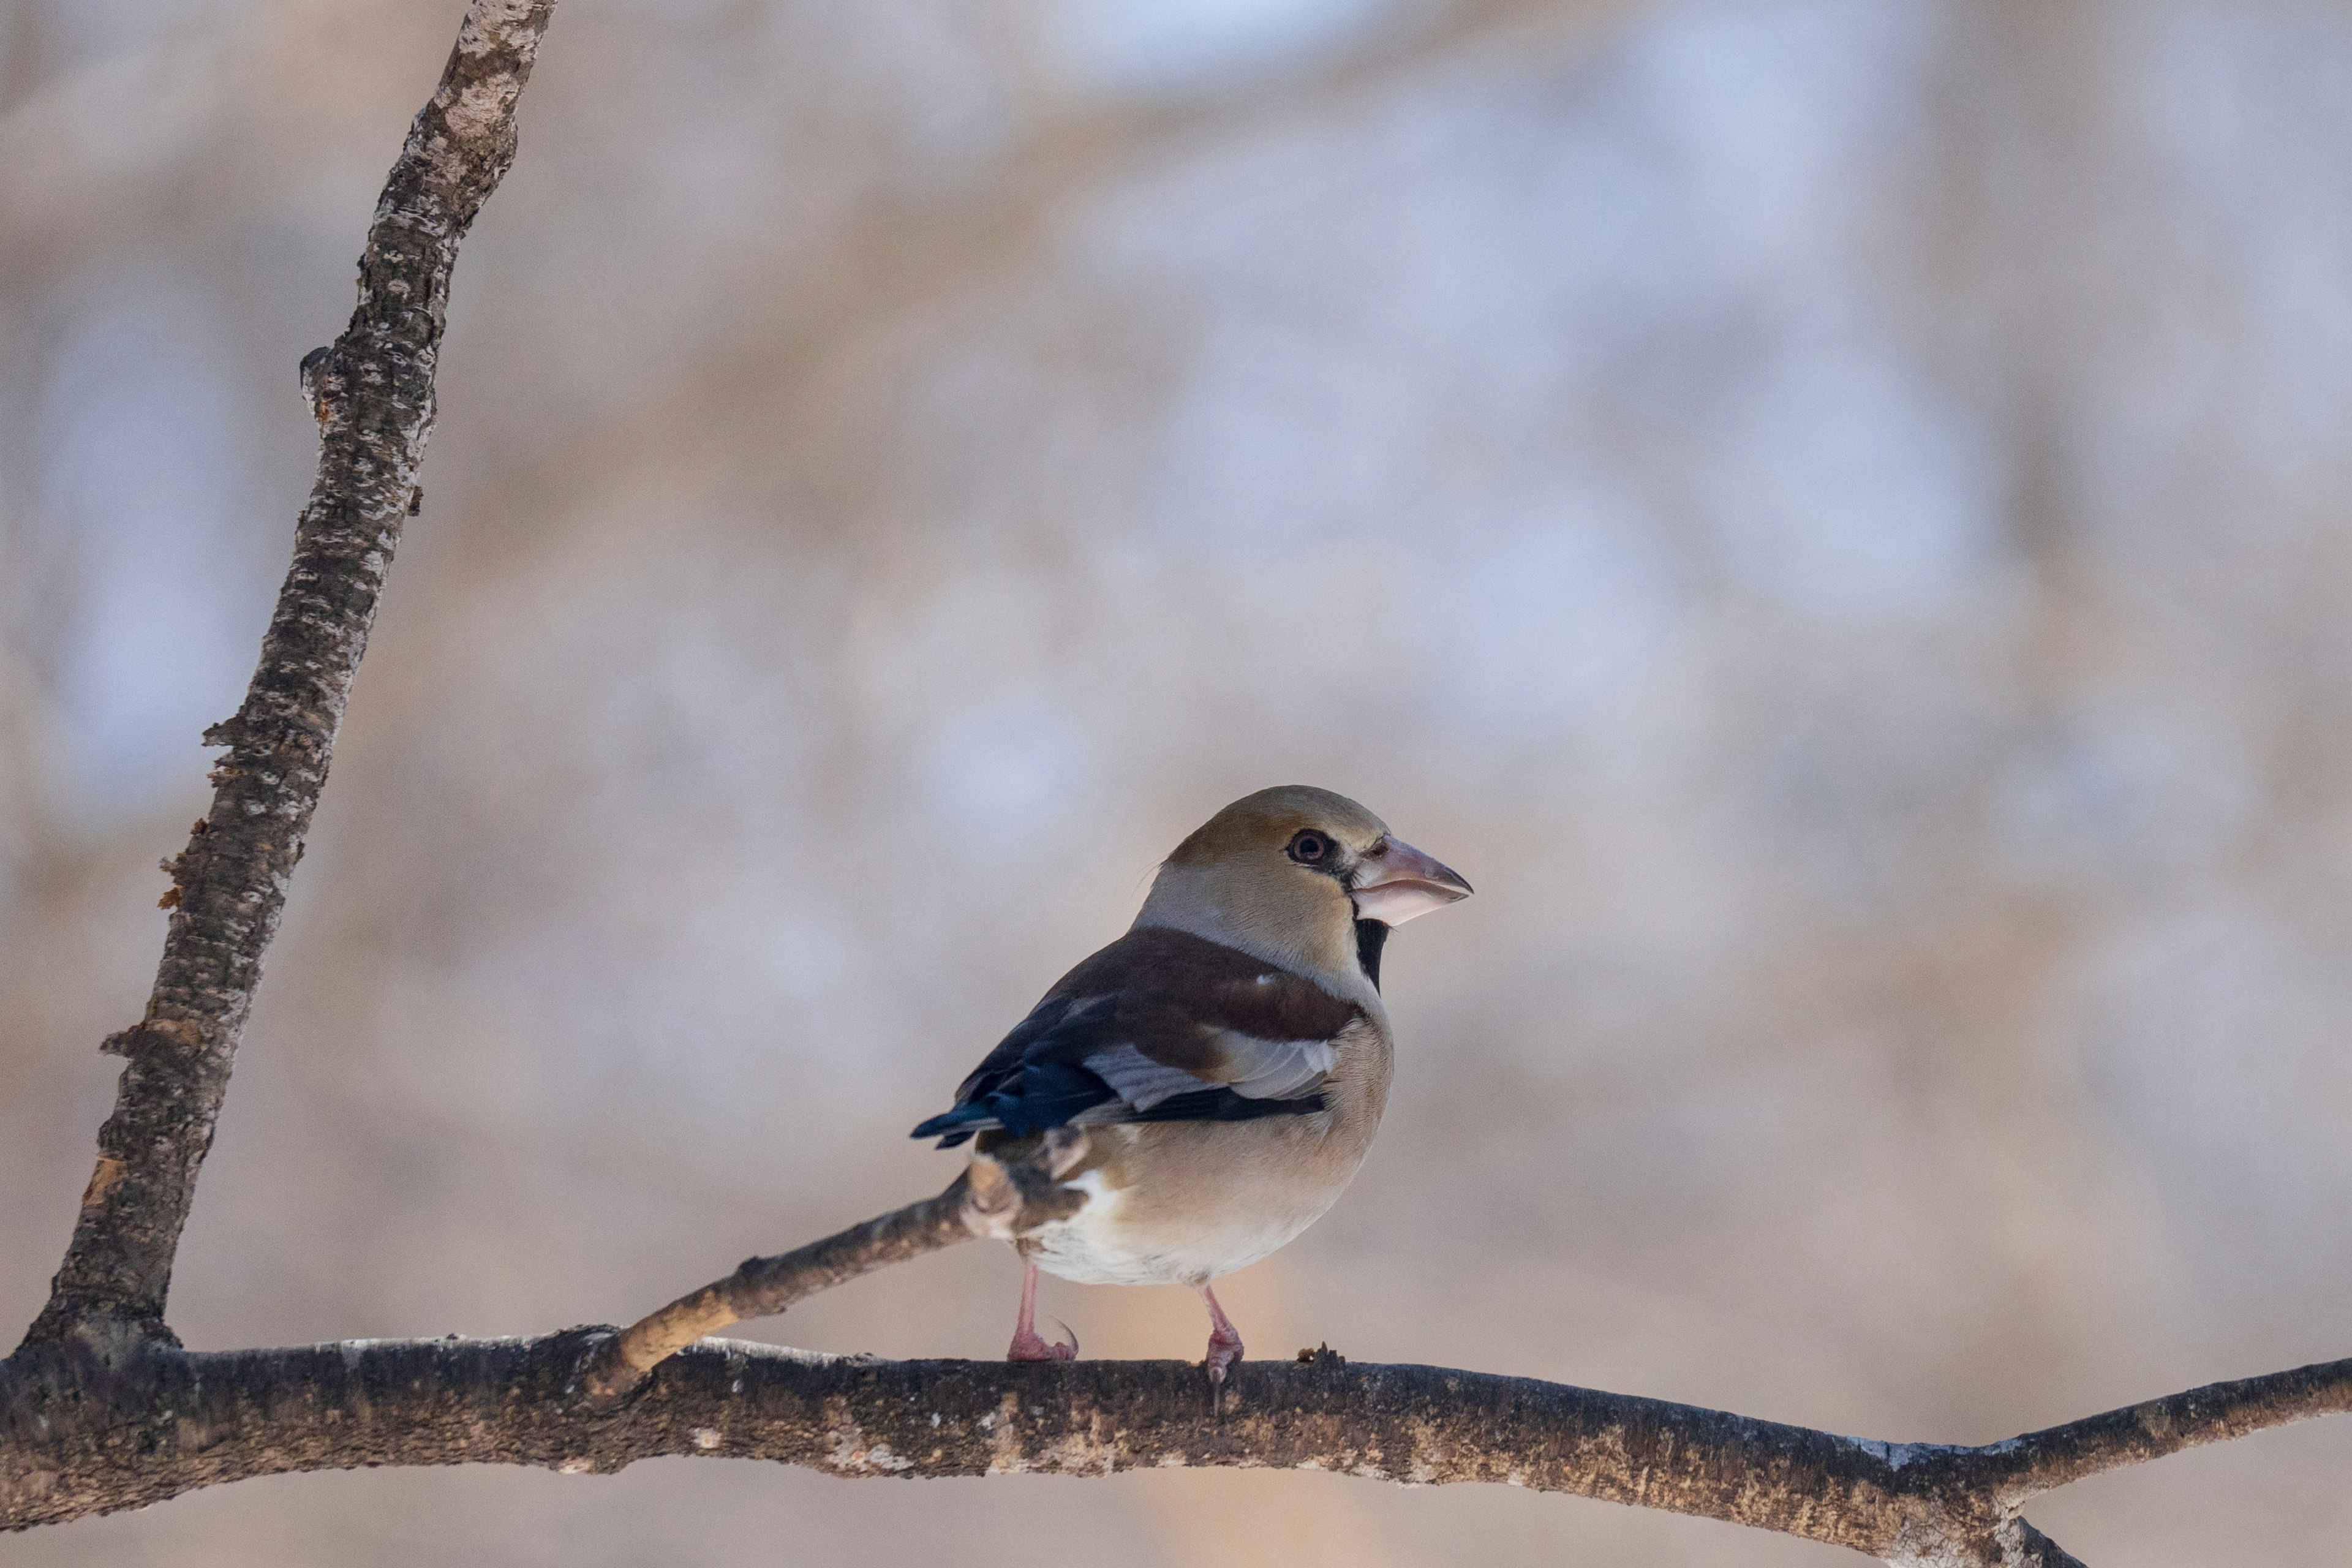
(1224,1340)
(1026,1345)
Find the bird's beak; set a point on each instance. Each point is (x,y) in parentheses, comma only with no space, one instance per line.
(1395,882)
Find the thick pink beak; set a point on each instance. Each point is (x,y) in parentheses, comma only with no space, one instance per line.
(1395,882)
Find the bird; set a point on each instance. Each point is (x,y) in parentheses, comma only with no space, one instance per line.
(1224,1065)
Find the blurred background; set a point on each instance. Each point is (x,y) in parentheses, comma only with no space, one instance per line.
(1832,514)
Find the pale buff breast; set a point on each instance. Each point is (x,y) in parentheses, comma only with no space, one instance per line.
(1186,1201)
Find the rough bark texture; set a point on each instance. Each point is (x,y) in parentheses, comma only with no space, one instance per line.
(372,394)
(78,1436)
(100,1409)
(2022,1546)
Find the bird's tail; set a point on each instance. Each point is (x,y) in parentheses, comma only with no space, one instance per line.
(957,1126)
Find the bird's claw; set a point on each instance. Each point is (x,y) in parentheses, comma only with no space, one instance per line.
(1223,1353)
(1030,1345)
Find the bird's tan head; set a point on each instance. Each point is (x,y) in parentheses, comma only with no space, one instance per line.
(1293,873)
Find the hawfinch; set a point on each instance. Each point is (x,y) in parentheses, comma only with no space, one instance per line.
(1225,1061)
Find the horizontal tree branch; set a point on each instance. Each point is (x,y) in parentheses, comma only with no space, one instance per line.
(82,1439)
(372,395)
(84,1433)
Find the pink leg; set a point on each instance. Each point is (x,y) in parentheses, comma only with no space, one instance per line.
(1224,1340)
(1026,1345)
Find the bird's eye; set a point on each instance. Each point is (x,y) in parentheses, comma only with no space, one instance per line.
(1308,848)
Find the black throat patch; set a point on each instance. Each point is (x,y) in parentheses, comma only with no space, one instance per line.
(1371,936)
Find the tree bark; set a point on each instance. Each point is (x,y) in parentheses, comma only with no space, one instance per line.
(82,1436)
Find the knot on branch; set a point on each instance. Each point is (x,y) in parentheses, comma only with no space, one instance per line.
(186,867)
(153,1038)
(319,385)
(233,731)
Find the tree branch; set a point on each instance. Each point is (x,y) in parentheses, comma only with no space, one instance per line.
(2043,1461)
(78,1436)
(989,1199)
(83,1433)
(372,394)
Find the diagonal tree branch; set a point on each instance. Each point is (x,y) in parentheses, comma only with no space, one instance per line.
(372,394)
(2044,1461)
(987,1199)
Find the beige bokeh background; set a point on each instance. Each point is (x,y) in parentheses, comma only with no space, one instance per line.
(1833,515)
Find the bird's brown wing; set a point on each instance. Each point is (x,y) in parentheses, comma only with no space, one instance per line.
(1161,1026)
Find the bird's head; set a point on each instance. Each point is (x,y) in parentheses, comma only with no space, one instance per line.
(1301,875)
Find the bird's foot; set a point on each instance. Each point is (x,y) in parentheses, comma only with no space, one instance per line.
(1224,1350)
(1030,1345)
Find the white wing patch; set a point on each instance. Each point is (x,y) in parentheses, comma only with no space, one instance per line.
(1269,1070)
(1137,1080)
(1283,1069)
